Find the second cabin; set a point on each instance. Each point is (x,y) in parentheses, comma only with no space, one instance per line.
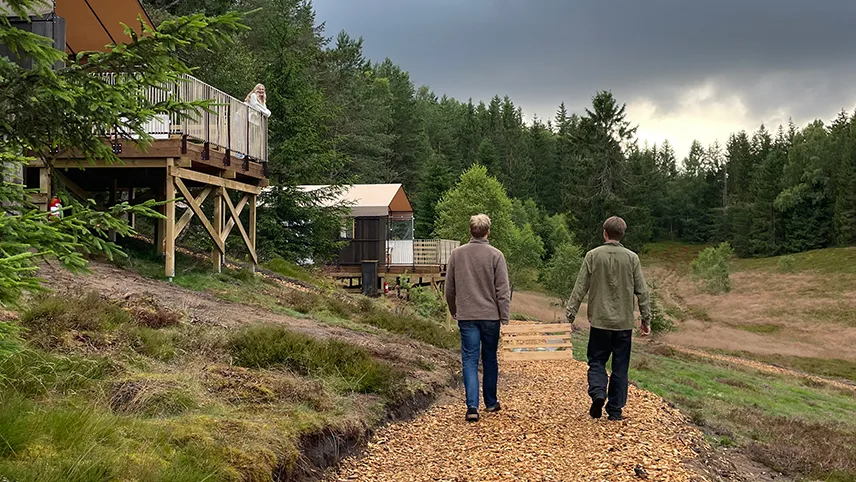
(380,227)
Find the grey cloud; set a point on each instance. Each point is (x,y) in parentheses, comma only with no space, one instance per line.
(774,54)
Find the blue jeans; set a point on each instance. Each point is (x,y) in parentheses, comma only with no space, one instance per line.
(480,336)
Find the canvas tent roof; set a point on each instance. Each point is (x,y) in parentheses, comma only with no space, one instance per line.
(370,199)
(92,24)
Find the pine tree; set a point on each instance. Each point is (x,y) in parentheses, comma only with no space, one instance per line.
(362,107)
(540,148)
(410,148)
(438,180)
(805,200)
(844,132)
(487,156)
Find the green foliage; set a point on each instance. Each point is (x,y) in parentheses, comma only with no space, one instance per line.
(428,303)
(561,271)
(60,443)
(426,330)
(477,192)
(711,269)
(555,232)
(269,346)
(660,322)
(787,264)
(524,258)
(288,269)
(295,225)
(9,338)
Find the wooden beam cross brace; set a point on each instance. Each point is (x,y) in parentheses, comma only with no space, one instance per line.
(239,208)
(213,180)
(197,209)
(247,240)
(188,215)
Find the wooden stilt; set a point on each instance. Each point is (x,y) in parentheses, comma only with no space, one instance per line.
(132,194)
(160,226)
(114,199)
(216,255)
(169,231)
(252,228)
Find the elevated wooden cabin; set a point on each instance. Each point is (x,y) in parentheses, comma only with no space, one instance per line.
(380,228)
(200,160)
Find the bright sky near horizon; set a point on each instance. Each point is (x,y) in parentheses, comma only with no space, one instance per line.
(687,70)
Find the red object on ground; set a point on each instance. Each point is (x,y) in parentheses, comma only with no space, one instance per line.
(385,287)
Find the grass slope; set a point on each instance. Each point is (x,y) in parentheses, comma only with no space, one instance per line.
(790,424)
(99,389)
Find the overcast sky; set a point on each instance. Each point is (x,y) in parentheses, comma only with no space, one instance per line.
(686,69)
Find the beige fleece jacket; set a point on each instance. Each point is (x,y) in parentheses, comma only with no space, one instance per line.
(477,285)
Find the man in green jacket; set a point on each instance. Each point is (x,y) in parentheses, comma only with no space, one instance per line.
(612,276)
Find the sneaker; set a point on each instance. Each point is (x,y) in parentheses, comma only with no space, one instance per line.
(616,417)
(494,408)
(596,410)
(472,415)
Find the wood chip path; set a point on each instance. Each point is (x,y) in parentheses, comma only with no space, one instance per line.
(543,433)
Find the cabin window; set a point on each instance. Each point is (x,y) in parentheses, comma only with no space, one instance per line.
(401,229)
(348,229)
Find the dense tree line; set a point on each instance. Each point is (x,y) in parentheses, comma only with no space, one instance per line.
(339,118)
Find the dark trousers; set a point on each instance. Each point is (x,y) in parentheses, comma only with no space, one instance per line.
(480,336)
(603,344)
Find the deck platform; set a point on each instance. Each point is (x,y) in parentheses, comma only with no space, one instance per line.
(219,156)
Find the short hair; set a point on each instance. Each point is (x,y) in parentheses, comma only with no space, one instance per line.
(615,228)
(479,225)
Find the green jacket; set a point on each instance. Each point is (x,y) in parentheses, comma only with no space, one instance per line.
(611,275)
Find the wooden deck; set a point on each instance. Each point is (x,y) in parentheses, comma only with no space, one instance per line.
(168,170)
(184,153)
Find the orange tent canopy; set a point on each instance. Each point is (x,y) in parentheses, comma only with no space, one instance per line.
(92,24)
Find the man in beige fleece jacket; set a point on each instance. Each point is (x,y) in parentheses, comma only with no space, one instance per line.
(479,296)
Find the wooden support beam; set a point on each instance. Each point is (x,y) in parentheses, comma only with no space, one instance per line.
(252,225)
(249,242)
(114,198)
(239,208)
(214,180)
(188,215)
(169,234)
(132,194)
(45,186)
(197,209)
(160,224)
(217,255)
(148,195)
(102,164)
(72,186)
